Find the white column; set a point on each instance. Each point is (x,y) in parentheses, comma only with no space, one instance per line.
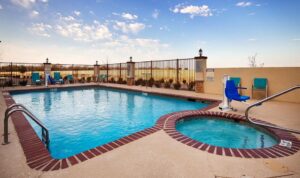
(225,105)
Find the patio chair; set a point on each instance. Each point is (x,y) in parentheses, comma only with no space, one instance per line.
(58,78)
(231,92)
(35,77)
(70,78)
(260,84)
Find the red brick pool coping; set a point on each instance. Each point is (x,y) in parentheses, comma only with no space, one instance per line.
(275,151)
(38,157)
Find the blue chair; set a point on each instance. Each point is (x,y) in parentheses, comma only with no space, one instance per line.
(35,77)
(70,78)
(237,82)
(231,92)
(260,84)
(58,78)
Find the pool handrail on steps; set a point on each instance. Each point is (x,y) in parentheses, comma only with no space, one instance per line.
(19,107)
(267,99)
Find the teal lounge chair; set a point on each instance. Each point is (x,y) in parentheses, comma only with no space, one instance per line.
(70,78)
(260,84)
(58,78)
(36,78)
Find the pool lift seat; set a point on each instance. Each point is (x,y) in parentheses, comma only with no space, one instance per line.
(231,93)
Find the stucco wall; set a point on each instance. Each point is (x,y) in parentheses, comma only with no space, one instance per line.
(279,78)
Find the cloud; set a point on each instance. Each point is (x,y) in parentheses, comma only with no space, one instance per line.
(41,29)
(34,14)
(192,10)
(243,4)
(92,12)
(155,14)
(1,7)
(252,39)
(129,16)
(24,3)
(77,13)
(296,39)
(129,27)
(72,28)
(27,4)
(165,28)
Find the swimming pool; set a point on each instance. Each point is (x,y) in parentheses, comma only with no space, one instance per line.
(81,119)
(225,133)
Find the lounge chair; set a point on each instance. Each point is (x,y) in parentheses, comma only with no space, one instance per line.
(36,78)
(58,78)
(70,78)
(260,84)
(231,92)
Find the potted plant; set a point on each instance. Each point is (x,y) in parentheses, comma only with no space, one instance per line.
(151,82)
(89,79)
(191,85)
(167,85)
(177,85)
(157,84)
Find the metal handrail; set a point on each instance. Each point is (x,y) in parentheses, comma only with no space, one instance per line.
(19,107)
(267,99)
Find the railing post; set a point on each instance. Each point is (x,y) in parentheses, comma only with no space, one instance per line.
(120,70)
(177,70)
(11,69)
(107,72)
(200,71)
(130,72)
(96,72)
(151,69)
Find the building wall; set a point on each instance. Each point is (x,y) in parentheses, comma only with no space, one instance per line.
(279,78)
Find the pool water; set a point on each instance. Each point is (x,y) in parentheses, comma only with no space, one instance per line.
(81,119)
(225,133)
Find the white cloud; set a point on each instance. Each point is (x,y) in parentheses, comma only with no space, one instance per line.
(1,7)
(72,28)
(41,29)
(296,39)
(165,28)
(27,4)
(92,12)
(252,39)
(192,10)
(130,27)
(243,4)
(24,3)
(77,13)
(34,14)
(155,14)
(129,16)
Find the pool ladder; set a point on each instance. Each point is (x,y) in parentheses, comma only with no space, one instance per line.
(267,99)
(19,107)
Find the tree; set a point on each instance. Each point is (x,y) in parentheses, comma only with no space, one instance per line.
(253,62)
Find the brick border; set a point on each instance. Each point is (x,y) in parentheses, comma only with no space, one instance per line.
(275,151)
(38,157)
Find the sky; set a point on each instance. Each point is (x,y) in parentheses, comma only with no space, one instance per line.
(83,31)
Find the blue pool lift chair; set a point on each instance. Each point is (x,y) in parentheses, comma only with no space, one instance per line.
(231,92)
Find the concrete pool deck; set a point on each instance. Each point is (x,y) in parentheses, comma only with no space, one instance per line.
(158,155)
